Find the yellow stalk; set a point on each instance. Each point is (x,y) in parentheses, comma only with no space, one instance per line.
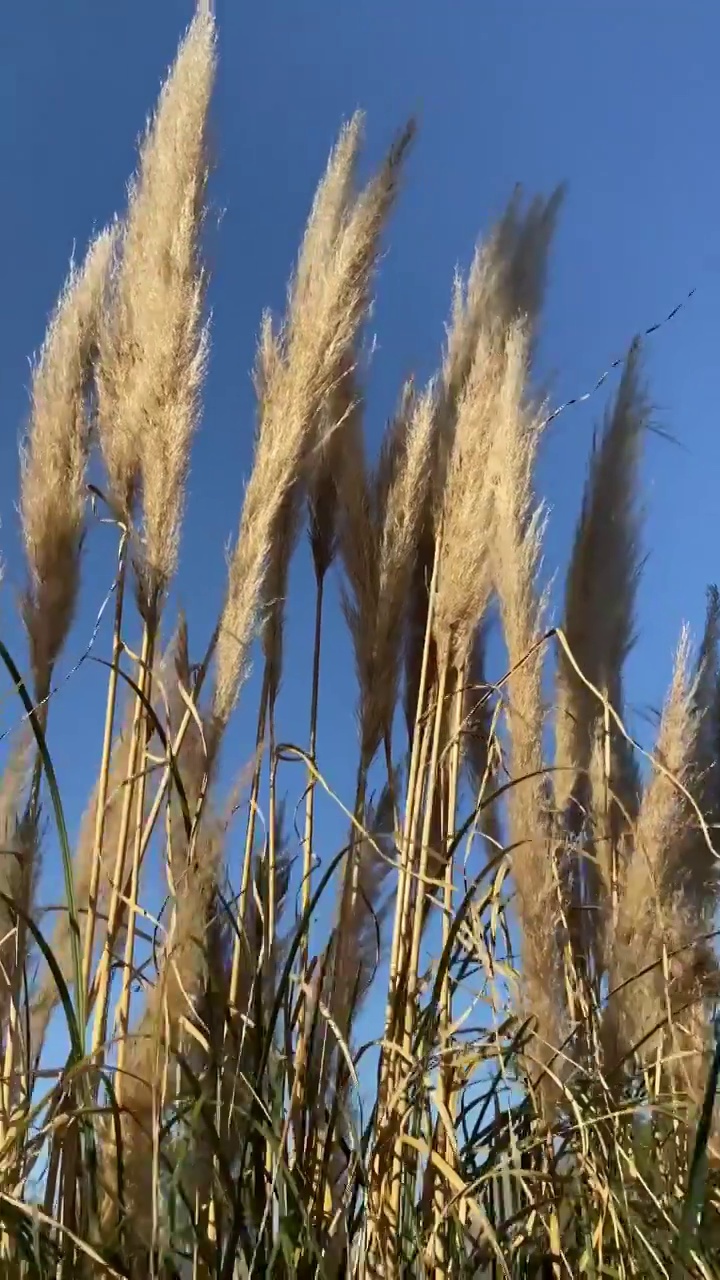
(123,1017)
(431,782)
(414,955)
(102,982)
(418,760)
(100,812)
(310,793)
(271,911)
(447,1109)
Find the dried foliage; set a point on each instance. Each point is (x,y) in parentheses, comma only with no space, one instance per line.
(188,1040)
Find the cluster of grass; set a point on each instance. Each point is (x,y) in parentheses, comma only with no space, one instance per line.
(524,898)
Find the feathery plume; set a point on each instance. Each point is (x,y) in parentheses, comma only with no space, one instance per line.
(602,583)
(505,282)
(328,301)
(54,457)
(650,908)
(513,555)
(154,345)
(379,532)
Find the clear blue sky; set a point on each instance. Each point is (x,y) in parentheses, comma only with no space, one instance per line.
(621,100)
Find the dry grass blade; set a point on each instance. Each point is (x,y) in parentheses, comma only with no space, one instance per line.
(506,282)
(380,523)
(650,911)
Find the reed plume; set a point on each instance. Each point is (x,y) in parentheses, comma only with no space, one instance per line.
(326,307)
(380,520)
(53,462)
(153,344)
(514,550)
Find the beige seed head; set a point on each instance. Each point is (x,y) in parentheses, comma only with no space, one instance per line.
(651,913)
(54,457)
(381,527)
(463,575)
(153,346)
(602,581)
(303,364)
(514,547)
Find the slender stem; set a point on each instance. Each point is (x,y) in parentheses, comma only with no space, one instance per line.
(443,1138)
(420,889)
(414,790)
(310,793)
(104,781)
(296,1103)
(145,683)
(249,845)
(271,907)
(454,759)
(14,1075)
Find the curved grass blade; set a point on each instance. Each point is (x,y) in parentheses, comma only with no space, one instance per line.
(61,829)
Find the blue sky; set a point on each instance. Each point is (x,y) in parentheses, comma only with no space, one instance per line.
(619,100)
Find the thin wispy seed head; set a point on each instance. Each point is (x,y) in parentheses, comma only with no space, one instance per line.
(328,302)
(154,345)
(402,519)
(602,580)
(54,458)
(504,288)
(650,910)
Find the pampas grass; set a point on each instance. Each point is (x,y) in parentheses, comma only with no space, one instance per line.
(476,1039)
